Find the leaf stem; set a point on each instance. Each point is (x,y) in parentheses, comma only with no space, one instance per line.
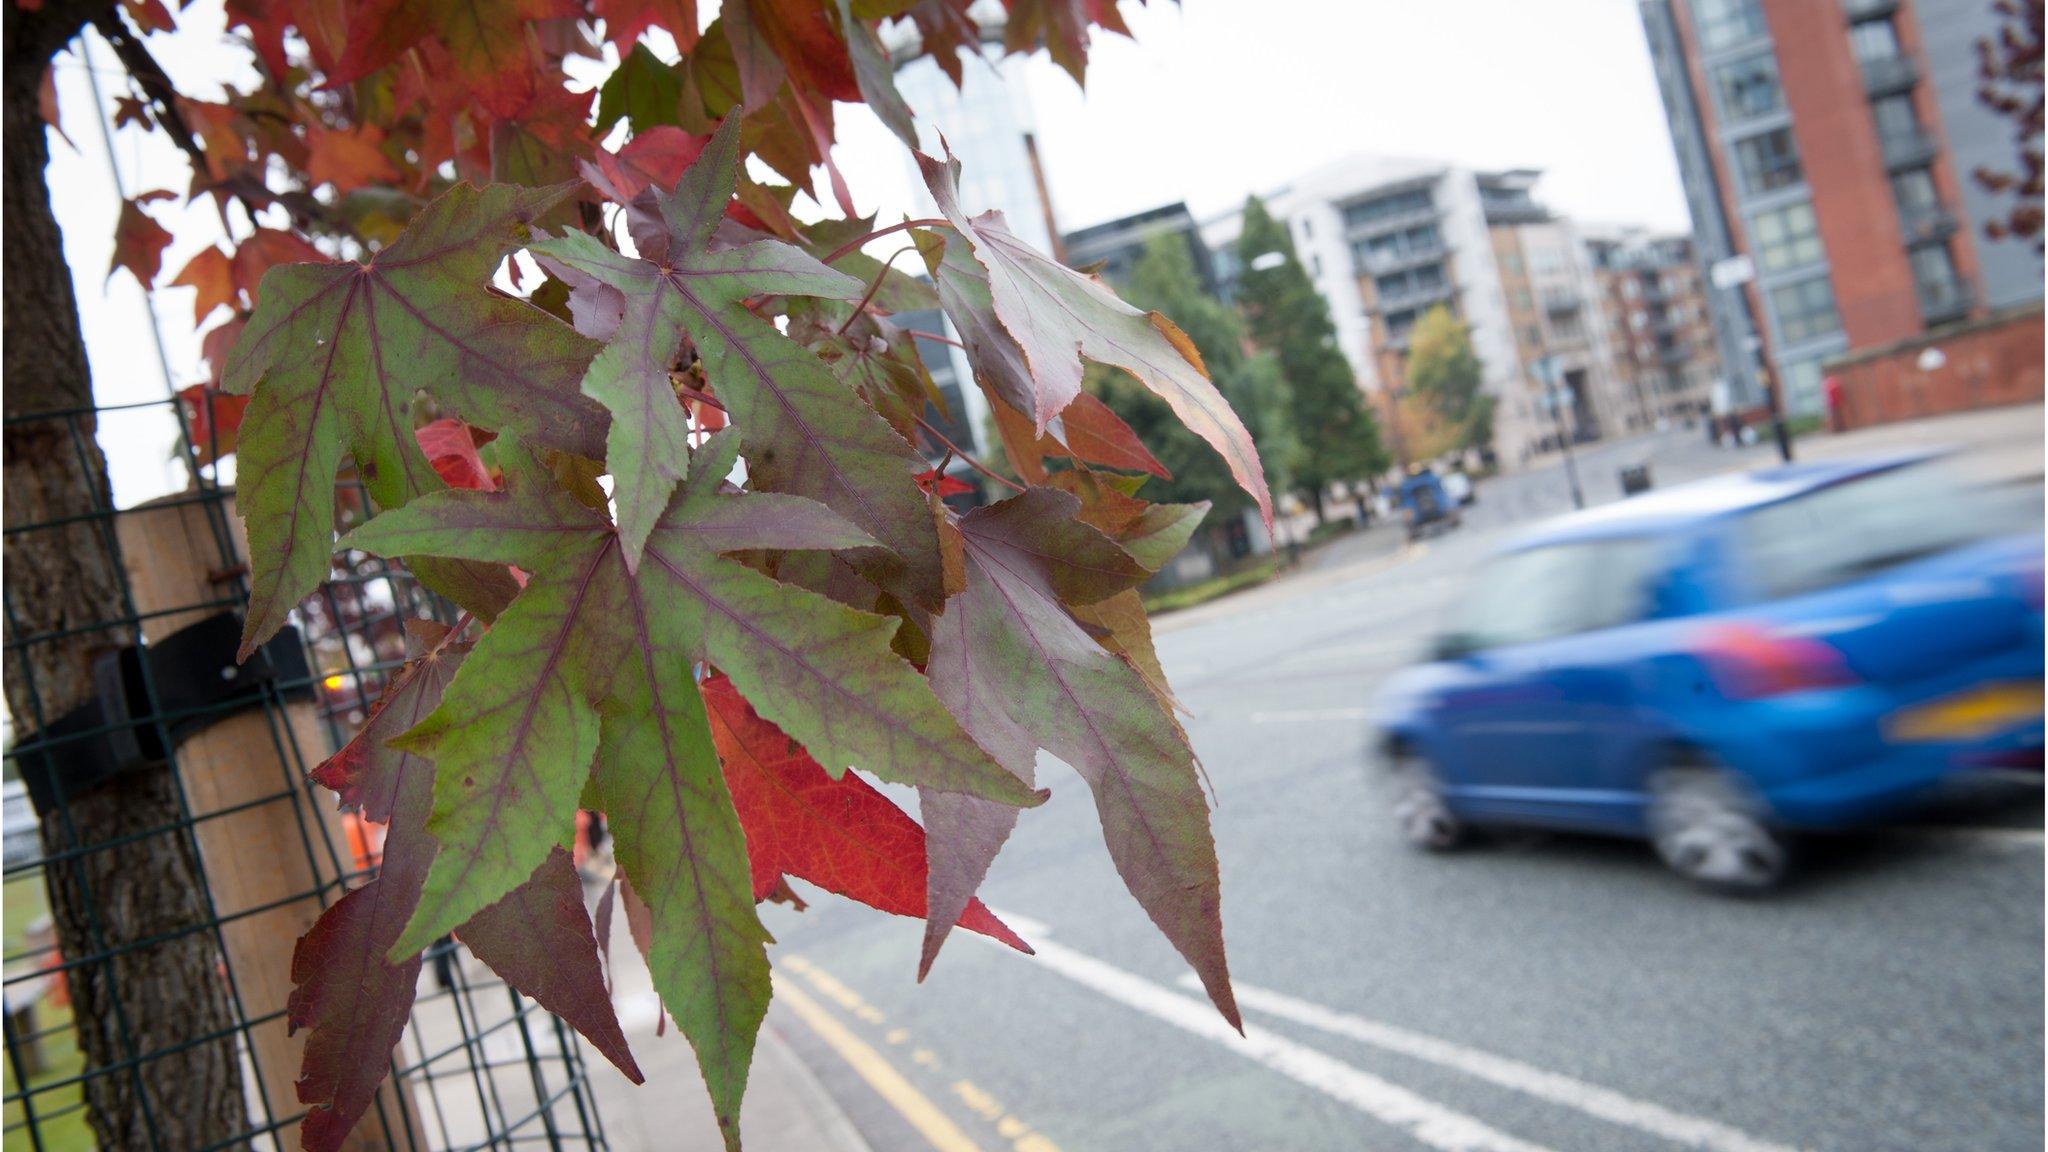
(921,334)
(872,289)
(977,465)
(856,242)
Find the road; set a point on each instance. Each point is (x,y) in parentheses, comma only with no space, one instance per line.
(1535,992)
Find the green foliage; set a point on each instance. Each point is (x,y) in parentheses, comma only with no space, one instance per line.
(1447,376)
(1164,281)
(1339,437)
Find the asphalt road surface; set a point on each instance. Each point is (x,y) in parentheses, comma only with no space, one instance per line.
(1534,992)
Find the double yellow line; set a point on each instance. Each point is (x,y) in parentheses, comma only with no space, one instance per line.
(914,1106)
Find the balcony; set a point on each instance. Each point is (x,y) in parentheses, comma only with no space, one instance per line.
(1860,10)
(1558,301)
(1891,74)
(1381,263)
(1675,353)
(1903,150)
(1943,300)
(1415,297)
(1926,222)
(1392,222)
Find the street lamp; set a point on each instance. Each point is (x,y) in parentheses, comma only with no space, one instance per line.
(1733,274)
(1546,369)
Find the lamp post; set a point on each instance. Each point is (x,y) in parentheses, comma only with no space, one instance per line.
(1546,370)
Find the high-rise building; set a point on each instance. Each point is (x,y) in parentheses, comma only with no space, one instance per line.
(1385,240)
(1660,327)
(1113,247)
(1830,143)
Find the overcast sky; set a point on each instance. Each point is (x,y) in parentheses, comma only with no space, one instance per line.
(1213,99)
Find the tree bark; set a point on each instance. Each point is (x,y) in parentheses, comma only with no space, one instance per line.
(145,1008)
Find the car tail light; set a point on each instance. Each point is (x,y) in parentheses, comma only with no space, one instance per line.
(1749,661)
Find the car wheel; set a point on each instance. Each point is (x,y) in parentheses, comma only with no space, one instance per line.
(1710,830)
(1420,812)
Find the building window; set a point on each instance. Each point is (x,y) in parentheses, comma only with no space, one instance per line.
(1768,161)
(1721,23)
(1914,190)
(1787,237)
(1749,88)
(1934,274)
(1874,41)
(1532,336)
(1805,310)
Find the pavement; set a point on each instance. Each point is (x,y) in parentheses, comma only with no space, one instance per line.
(1536,993)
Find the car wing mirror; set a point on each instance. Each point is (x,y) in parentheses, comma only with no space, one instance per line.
(1452,646)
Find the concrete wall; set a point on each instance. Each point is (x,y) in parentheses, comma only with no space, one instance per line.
(1983,364)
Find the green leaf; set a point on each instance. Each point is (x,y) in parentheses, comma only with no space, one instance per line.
(643,91)
(1011,663)
(805,432)
(876,76)
(1056,316)
(335,355)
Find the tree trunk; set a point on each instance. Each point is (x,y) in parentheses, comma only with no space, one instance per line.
(144,1008)
(1315,497)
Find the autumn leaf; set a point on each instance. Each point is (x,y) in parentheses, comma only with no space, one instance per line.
(806,434)
(1018,672)
(1057,316)
(347,158)
(139,241)
(841,834)
(655,158)
(626,20)
(348,993)
(876,76)
(213,421)
(334,356)
(451,450)
(589,664)
(211,274)
(486,45)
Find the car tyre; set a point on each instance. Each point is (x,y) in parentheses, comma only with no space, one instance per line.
(1709,828)
(1420,811)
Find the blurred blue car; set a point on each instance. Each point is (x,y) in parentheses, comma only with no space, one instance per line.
(1715,665)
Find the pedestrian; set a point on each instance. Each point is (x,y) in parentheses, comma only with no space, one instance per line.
(1831,388)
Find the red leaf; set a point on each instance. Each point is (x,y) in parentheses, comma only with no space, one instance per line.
(842,835)
(625,20)
(942,486)
(1099,436)
(213,420)
(266,248)
(348,159)
(46,104)
(212,274)
(451,449)
(139,241)
(654,158)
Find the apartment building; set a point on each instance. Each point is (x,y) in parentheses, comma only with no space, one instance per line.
(1387,239)
(1661,330)
(1826,147)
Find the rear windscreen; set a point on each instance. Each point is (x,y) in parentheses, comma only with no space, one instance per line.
(1848,531)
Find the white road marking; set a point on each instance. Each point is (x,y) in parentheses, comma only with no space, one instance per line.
(1425,1120)
(1308,715)
(1604,1103)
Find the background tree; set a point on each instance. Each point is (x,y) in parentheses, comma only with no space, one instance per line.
(1446,377)
(1285,315)
(1164,280)
(2009,82)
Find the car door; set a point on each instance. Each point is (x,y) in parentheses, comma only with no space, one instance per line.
(1543,700)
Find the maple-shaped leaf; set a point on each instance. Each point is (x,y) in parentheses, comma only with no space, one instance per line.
(486,45)
(139,241)
(653,158)
(1057,316)
(211,274)
(871,355)
(841,834)
(806,433)
(945,31)
(516,735)
(213,421)
(644,91)
(340,350)
(1021,675)
(1088,430)
(625,20)
(348,158)
(353,998)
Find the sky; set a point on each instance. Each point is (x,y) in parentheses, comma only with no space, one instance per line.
(1212,100)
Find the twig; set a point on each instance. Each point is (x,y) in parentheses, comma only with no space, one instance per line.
(872,289)
(973,463)
(149,76)
(857,241)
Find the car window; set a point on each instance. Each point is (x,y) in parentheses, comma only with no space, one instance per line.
(1560,590)
(1848,531)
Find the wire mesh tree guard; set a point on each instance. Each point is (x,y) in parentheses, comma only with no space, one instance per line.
(180,849)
